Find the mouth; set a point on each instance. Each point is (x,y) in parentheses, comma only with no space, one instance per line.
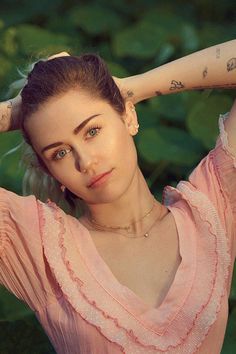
(99,179)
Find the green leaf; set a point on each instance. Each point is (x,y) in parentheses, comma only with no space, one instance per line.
(24,336)
(233,285)
(202,120)
(147,116)
(190,38)
(11,172)
(12,308)
(215,33)
(166,19)
(26,11)
(35,39)
(229,344)
(151,145)
(169,144)
(143,40)
(8,42)
(171,106)
(117,69)
(166,50)
(95,19)
(5,66)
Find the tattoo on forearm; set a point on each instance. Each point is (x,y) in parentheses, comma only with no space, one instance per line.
(217,52)
(205,72)
(231,64)
(158,93)
(176,85)
(226,86)
(4,118)
(130,93)
(3,121)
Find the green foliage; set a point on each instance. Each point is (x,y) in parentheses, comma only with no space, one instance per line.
(132,36)
(203,118)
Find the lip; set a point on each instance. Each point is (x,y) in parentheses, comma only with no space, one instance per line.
(94,181)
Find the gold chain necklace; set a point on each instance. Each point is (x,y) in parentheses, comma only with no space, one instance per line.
(146,234)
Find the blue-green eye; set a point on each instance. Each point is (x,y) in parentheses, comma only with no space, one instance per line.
(94,129)
(60,154)
(57,154)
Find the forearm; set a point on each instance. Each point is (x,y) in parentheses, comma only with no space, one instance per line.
(213,67)
(5,114)
(9,111)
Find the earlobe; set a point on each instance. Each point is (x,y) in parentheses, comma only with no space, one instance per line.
(131,120)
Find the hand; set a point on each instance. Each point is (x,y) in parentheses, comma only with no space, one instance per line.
(61,54)
(16,101)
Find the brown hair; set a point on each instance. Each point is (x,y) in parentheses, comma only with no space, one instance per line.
(54,77)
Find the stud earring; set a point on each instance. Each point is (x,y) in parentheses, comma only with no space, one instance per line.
(62,188)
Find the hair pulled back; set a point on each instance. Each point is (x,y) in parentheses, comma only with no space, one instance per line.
(51,78)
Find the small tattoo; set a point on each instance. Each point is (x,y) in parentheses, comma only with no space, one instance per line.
(205,72)
(5,118)
(176,85)
(130,93)
(3,122)
(217,53)
(231,64)
(158,93)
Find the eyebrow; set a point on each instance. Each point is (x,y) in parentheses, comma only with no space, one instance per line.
(75,131)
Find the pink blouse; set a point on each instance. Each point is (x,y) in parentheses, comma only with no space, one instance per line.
(48,260)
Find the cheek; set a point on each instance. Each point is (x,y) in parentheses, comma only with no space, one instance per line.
(123,149)
(59,172)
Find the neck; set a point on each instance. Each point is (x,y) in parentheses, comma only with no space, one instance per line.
(129,208)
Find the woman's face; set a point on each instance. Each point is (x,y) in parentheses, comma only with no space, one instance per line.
(75,132)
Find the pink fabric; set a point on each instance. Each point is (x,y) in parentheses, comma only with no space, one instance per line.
(48,260)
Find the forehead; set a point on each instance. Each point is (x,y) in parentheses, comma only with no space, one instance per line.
(60,115)
(71,104)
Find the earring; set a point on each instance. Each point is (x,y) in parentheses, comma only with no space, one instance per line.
(136,127)
(63,188)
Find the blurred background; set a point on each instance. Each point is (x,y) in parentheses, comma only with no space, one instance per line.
(176,131)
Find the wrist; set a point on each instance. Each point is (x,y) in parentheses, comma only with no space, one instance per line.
(16,102)
(5,115)
(129,90)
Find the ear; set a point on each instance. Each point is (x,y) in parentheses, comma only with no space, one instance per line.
(130,118)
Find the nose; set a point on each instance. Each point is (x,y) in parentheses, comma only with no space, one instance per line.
(85,160)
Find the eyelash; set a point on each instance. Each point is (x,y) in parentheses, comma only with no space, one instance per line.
(54,155)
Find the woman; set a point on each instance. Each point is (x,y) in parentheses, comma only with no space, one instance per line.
(131,275)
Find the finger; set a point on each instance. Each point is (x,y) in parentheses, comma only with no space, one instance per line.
(61,54)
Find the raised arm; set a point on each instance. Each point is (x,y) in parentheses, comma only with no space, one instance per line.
(9,111)
(213,67)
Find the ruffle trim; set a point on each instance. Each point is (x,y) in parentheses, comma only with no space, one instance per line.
(192,323)
(224,138)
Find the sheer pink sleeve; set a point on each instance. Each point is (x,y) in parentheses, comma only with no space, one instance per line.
(215,176)
(22,266)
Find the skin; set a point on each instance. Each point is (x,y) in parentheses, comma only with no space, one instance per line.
(125,197)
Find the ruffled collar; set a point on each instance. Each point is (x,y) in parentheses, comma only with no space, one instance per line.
(120,315)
